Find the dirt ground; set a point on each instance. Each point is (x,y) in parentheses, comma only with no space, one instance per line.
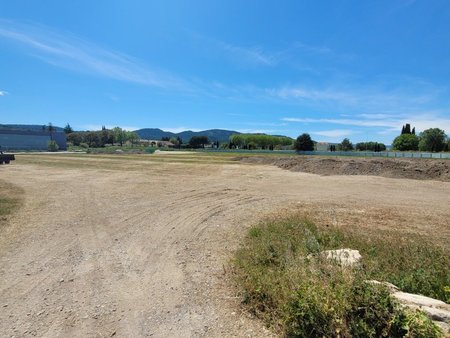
(139,245)
(418,169)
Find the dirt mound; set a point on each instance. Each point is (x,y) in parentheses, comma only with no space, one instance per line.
(418,169)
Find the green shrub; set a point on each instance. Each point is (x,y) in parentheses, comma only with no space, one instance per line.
(52,146)
(150,150)
(406,142)
(433,140)
(304,143)
(305,297)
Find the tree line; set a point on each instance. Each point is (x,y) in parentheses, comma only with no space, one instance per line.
(259,141)
(101,138)
(430,140)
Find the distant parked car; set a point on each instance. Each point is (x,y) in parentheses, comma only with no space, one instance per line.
(6,158)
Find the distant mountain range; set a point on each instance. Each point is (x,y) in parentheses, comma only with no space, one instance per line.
(213,134)
(32,127)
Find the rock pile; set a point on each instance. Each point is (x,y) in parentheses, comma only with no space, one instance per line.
(437,310)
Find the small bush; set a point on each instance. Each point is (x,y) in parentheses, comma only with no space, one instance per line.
(150,150)
(52,145)
(303,297)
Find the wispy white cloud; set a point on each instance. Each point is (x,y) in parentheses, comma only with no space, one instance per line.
(263,56)
(249,54)
(373,98)
(311,94)
(258,131)
(3,93)
(321,51)
(266,124)
(312,48)
(177,130)
(387,123)
(99,127)
(334,133)
(71,52)
(346,122)
(374,116)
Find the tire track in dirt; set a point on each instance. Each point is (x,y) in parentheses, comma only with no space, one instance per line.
(143,253)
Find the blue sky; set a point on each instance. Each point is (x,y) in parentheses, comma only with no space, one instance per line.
(334,69)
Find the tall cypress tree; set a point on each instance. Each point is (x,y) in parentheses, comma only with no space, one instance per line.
(408,129)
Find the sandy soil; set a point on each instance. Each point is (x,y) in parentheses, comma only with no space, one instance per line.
(140,247)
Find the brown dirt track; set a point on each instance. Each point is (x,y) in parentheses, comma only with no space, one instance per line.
(138,245)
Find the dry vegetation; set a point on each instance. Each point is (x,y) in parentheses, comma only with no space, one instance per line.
(300,296)
(11,197)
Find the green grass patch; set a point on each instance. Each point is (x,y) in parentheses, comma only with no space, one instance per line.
(119,161)
(123,149)
(303,297)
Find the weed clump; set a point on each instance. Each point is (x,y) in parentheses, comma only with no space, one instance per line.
(301,296)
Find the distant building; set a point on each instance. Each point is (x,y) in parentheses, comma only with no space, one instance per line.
(17,139)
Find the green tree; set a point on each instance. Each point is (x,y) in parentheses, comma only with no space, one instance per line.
(304,143)
(407,129)
(406,142)
(106,136)
(50,129)
(75,138)
(345,145)
(263,141)
(119,135)
(198,141)
(132,137)
(175,141)
(93,139)
(68,129)
(432,139)
(370,146)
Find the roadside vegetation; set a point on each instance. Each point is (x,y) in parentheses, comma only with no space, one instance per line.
(300,296)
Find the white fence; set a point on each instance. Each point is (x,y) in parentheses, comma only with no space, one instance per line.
(390,154)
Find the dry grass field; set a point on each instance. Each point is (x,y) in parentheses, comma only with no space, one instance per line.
(138,245)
